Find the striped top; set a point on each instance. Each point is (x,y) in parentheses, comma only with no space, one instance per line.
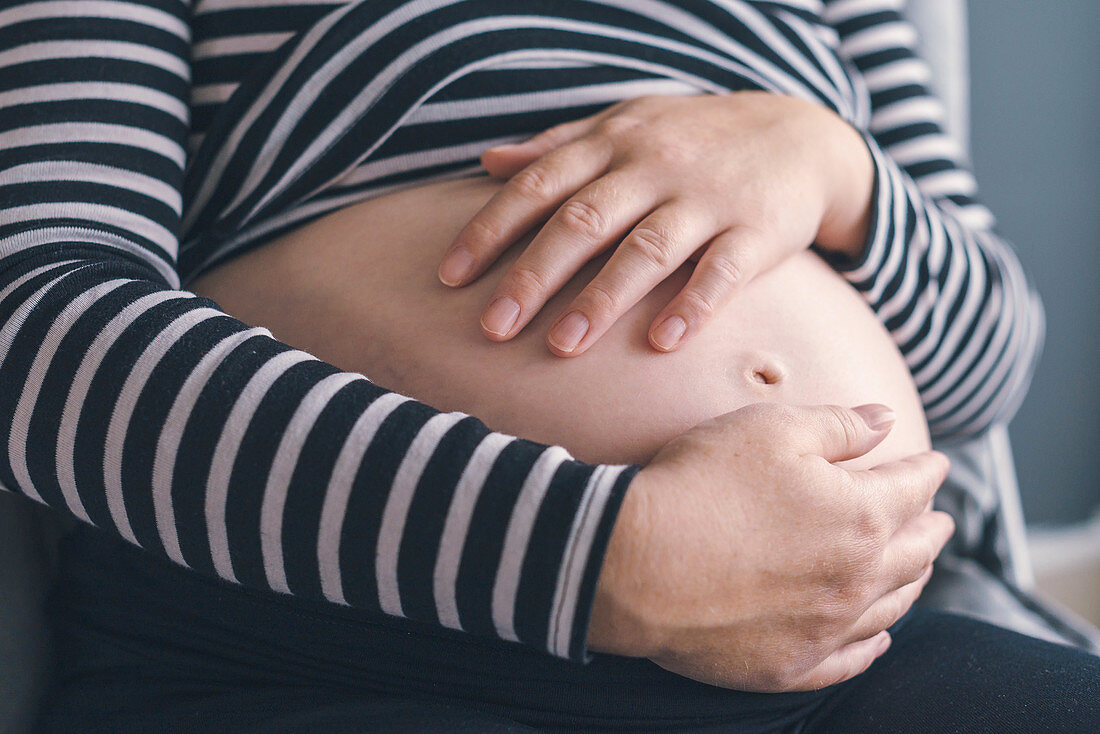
(142,141)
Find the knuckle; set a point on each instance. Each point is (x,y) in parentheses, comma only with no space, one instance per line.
(844,489)
(617,126)
(674,153)
(847,596)
(823,622)
(836,577)
(480,233)
(727,270)
(582,218)
(848,577)
(845,422)
(721,278)
(698,304)
(526,282)
(653,247)
(534,183)
(599,301)
(869,526)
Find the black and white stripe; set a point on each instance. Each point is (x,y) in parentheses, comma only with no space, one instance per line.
(145,410)
(952,294)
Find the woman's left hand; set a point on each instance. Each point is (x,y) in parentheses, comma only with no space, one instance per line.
(739,181)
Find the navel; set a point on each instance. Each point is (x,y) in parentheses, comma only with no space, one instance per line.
(760,370)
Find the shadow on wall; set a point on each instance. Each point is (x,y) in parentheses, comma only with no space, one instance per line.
(1035,126)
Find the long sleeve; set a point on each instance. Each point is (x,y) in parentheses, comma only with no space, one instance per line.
(146,411)
(950,291)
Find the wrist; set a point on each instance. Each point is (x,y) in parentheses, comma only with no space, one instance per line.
(615,625)
(850,173)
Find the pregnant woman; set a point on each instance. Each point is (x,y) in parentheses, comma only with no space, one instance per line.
(332,162)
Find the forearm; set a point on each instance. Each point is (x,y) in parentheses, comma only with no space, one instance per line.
(950,290)
(955,300)
(152,414)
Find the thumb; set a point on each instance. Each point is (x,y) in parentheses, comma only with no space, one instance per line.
(840,434)
(505,161)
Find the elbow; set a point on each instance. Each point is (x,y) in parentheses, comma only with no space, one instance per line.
(1000,401)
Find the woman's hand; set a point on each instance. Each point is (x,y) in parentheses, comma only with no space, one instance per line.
(744,557)
(738,181)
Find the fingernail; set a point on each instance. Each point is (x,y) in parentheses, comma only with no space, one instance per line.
(500,316)
(567,333)
(877,417)
(668,333)
(884,645)
(456,266)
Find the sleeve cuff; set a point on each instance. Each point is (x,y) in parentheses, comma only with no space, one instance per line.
(862,271)
(583,559)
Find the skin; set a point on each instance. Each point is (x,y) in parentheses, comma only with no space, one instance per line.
(692,578)
(739,182)
(357,289)
(786,589)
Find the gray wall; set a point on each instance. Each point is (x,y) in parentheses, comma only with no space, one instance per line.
(1035,127)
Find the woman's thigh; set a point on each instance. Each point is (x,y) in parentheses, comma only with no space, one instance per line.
(948,673)
(244,710)
(146,646)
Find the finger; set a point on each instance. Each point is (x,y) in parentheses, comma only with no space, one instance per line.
(888,609)
(840,434)
(903,488)
(727,263)
(526,199)
(914,547)
(584,226)
(655,248)
(505,161)
(847,662)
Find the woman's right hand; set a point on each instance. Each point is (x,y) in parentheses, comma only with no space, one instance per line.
(742,180)
(743,557)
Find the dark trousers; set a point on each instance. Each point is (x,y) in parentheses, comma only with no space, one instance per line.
(145,646)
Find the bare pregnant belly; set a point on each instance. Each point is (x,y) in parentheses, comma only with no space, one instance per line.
(358,288)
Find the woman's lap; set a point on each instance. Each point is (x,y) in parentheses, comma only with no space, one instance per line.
(945,672)
(145,646)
